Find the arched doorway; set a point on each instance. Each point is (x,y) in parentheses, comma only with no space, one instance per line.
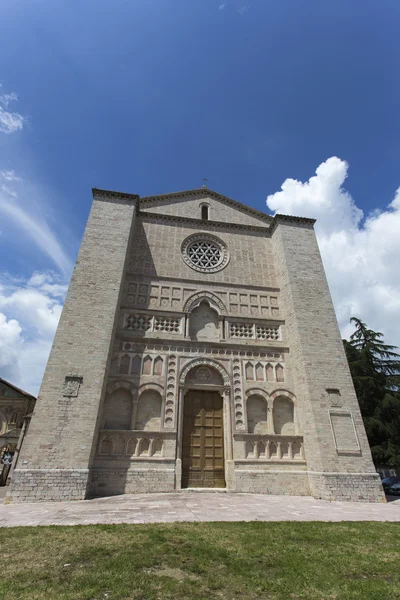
(203,440)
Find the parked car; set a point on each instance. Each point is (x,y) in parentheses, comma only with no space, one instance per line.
(394,489)
(387,482)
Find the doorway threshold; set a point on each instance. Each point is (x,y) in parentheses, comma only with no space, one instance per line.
(208,490)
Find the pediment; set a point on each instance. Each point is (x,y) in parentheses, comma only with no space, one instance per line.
(8,390)
(188,204)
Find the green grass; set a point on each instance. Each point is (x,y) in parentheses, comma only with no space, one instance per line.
(341,561)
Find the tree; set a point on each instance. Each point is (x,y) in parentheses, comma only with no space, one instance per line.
(375,369)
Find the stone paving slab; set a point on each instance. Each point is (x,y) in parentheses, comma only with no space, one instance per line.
(194,506)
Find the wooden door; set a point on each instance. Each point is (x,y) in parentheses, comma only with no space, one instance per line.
(203,440)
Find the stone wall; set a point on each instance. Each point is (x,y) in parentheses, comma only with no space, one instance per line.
(60,445)
(360,487)
(279,482)
(322,380)
(156,252)
(135,480)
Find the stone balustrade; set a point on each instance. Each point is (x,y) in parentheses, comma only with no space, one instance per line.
(134,444)
(271,447)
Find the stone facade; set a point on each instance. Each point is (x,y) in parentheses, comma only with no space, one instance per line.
(195,292)
(16,407)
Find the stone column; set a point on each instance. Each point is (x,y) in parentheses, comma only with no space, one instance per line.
(228,418)
(186,326)
(178,462)
(338,456)
(60,444)
(221,327)
(270,416)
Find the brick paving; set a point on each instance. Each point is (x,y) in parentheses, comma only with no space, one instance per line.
(194,506)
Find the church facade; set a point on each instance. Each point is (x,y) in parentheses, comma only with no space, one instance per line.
(198,348)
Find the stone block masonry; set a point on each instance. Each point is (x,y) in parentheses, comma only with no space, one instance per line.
(231,313)
(60,444)
(319,366)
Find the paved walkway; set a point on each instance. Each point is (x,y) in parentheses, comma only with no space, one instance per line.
(194,506)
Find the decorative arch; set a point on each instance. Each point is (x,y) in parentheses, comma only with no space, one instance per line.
(144,447)
(136,365)
(124,364)
(197,362)
(283,392)
(158,365)
(284,412)
(249,371)
(258,392)
(157,447)
(105,445)
(195,300)
(257,413)
(131,446)
(118,406)
(260,374)
(151,386)
(147,365)
(270,373)
(126,385)
(148,414)
(279,373)
(118,446)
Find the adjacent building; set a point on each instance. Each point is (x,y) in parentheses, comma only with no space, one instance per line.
(16,407)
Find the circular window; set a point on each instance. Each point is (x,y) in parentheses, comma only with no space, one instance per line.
(205,253)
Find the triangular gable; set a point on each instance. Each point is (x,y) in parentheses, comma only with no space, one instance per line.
(8,390)
(186,204)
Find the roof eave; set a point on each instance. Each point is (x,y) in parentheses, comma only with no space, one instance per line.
(17,389)
(113,194)
(289,219)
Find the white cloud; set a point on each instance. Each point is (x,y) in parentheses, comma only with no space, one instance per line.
(9,175)
(360,256)
(10,347)
(9,191)
(9,121)
(5,99)
(29,315)
(32,223)
(221,6)
(243,9)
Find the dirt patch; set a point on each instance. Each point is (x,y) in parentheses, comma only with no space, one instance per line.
(174,573)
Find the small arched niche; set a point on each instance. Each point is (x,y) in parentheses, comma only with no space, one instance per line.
(257,414)
(203,323)
(148,415)
(118,410)
(283,413)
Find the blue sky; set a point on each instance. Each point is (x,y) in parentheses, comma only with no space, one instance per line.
(149,96)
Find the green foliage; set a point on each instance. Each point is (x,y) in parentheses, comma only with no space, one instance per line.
(375,369)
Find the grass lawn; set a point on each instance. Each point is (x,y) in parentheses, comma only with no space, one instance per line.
(341,561)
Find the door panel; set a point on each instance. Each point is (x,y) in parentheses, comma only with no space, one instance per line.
(203,440)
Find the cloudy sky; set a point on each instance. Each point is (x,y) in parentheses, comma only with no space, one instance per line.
(288,106)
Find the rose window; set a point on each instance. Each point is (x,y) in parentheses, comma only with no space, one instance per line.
(205,253)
